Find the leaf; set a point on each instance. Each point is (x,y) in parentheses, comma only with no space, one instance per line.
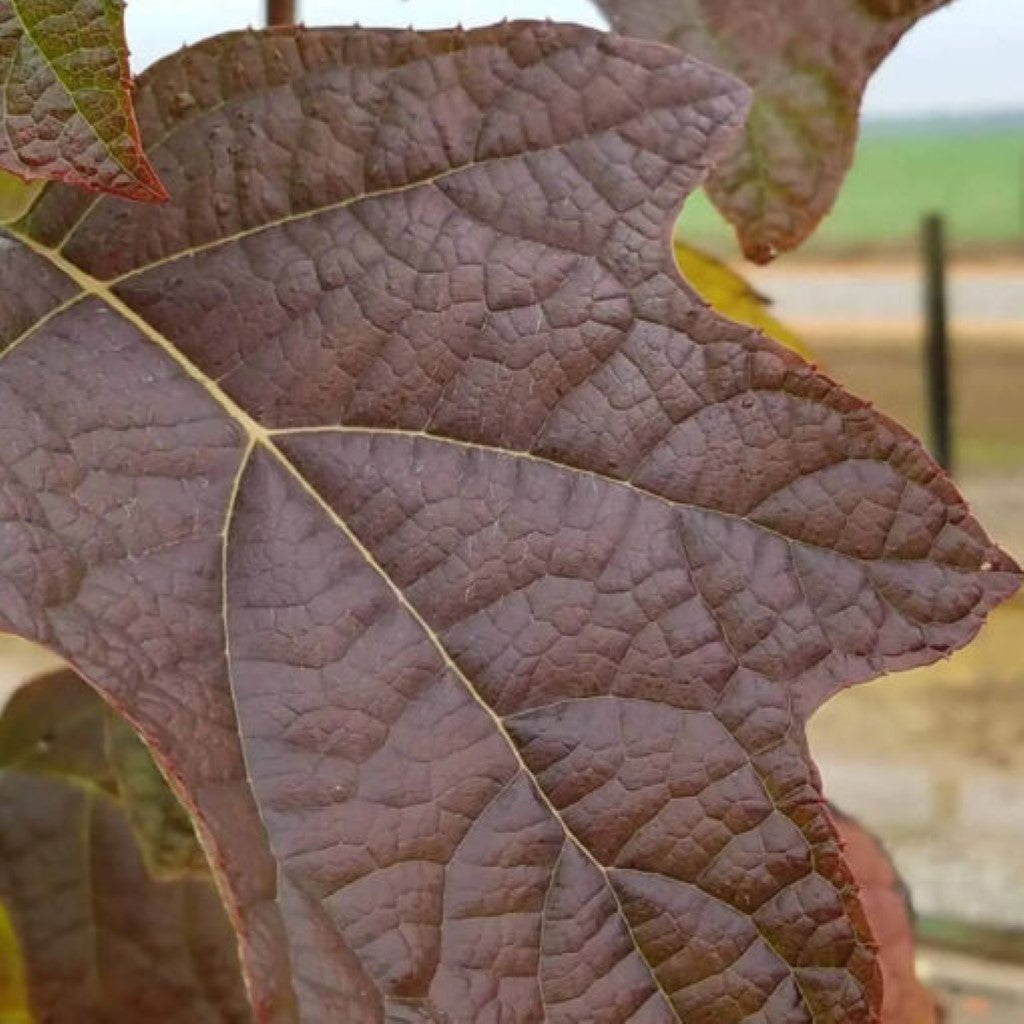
(14,1008)
(100,937)
(66,101)
(808,62)
(731,295)
(887,904)
(16,197)
(161,825)
(469,578)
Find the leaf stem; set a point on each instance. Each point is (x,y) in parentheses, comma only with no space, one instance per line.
(280,12)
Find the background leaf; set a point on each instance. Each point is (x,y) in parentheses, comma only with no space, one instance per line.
(161,825)
(16,197)
(101,938)
(14,1007)
(470,580)
(66,106)
(808,62)
(887,904)
(732,295)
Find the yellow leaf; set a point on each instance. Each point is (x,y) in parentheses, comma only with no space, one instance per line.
(728,293)
(14,1008)
(16,198)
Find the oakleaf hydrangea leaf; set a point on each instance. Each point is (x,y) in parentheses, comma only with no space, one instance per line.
(732,295)
(808,62)
(468,576)
(87,933)
(66,98)
(887,903)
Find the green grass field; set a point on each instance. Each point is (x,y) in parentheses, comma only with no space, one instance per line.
(972,170)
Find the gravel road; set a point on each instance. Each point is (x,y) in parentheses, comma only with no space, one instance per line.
(979,295)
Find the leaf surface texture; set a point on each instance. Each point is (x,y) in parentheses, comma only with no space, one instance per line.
(66,98)
(473,579)
(732,295)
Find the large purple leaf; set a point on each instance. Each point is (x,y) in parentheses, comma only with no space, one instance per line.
(471,578)
(808,63)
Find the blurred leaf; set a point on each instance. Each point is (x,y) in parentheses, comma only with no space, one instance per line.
(808,62)
(161,825)
(886,903)
(16,197)
(66,112)
(89,933)
(55,726)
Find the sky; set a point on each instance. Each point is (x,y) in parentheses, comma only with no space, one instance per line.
(965,58)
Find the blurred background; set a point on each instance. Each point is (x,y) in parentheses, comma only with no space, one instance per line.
(932,761)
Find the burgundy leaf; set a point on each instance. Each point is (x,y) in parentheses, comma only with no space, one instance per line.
(808,62)
(66,98)
(887,904)
(471,578)
(102,939)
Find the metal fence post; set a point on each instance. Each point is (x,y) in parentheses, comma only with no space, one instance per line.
(936,349)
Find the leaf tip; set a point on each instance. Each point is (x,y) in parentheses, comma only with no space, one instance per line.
(756,249)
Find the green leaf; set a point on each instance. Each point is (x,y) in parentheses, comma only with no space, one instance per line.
(66,101)
(162,826)
(16,196)
(14,1007)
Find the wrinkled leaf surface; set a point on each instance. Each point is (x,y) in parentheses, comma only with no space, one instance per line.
(808,62)
(93,935)
(470,578)
(66,98)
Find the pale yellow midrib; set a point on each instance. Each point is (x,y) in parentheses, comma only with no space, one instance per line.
(457,672)
(90,286)
(261,436)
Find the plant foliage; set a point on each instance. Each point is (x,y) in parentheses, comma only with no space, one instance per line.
(65,102)
(469,578)
(904,999)
(808,62)
(102,918)
(732,295)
